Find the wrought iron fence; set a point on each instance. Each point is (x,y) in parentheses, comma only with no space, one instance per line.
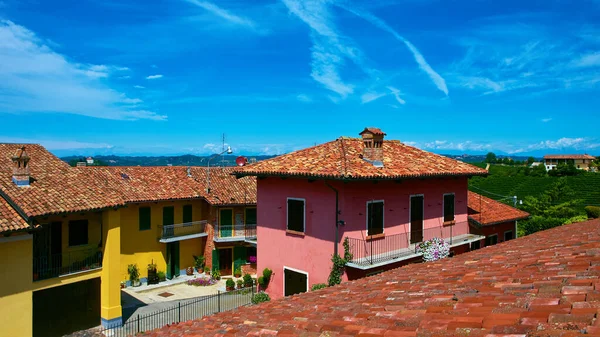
(240,231)
(371,251)
(55,265)
(182,229)
(184,310)
(250,232)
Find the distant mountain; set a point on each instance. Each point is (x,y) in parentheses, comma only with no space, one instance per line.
(478,158)
(184,160)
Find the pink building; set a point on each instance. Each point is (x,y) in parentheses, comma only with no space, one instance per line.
(384,196)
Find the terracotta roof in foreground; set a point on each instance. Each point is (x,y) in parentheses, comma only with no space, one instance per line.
(342,159)
(545,284)
(10,220)
(485,211)
(569,156)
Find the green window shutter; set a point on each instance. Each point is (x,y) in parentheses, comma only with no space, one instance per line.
(239,257)
(215,259)
(187,213)
(145,218)
(251,216)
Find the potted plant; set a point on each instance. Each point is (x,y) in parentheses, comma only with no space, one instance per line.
(162,276)
(229,284)
(248,282)
(238,272)
(206,270)
(189,271)
(123,284)
(199,262)
(134,275)
(216,275)
(240,284)
(152,274)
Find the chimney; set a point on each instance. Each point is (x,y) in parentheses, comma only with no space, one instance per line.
(21,168)
(373,146)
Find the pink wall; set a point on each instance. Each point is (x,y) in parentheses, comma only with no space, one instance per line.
(312,252)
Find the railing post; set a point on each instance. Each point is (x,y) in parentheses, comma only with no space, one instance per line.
(179,312)
(138,323)
(219,300)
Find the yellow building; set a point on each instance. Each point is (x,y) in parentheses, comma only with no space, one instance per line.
(580,161)
(69,234)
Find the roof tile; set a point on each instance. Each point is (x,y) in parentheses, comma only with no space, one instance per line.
(486,212)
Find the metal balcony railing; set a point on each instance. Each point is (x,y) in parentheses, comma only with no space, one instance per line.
(250,232)
(182,229)
(369,251)
(55,265)
(241,232)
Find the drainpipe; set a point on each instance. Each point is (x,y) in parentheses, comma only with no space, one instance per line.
(337,221)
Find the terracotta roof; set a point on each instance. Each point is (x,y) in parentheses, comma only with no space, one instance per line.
(10,220)
(225,188)
(55,186)
(485,211)
(375,131)
(569,156)
(544,284)
(341,159)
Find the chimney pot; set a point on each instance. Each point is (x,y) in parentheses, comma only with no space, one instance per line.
(373,145)
(21,175)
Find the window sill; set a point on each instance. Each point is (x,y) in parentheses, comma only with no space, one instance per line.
(376,236)
(449,223)
(289,231)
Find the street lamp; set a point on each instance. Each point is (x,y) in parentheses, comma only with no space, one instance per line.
(228,151)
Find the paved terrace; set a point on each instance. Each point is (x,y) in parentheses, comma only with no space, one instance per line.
(545,284)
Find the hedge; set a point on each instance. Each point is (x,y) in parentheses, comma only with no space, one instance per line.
(592,211)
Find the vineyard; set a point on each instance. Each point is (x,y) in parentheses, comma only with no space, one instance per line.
(508,181)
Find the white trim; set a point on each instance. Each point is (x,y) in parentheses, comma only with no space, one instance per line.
(444,206)
(16,238)
(510,231)
(383,214)
(287,211)
(297,271)
(410,213)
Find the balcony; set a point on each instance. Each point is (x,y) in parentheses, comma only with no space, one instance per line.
(55,265)
(378,252)
(182,231)
(243,232)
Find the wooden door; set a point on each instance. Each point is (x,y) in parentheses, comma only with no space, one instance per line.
(226,261)
(168,220)
(416,218)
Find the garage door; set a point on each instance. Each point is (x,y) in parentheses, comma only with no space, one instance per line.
(295,282)
(66,309)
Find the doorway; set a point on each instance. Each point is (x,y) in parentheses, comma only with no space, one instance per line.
(172,259)
(295,281)
(225,261)
(226,222)
(416,218)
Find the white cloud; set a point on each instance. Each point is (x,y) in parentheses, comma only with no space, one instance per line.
(124,77)
(438,80)
(154,77)
(37,79)
(370,97)
(139,87)
(588,60)
(396,93)
(223,13)
(457,146)
(304,98)
(56,144)
(546,120)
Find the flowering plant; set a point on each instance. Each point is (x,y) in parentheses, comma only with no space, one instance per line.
(202,282)
(252,259)
(434,249)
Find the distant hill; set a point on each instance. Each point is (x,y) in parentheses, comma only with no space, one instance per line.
(184,160)
(478,158)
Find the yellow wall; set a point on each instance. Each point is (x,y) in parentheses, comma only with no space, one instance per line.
(143,247)
(16,299)
(75,253)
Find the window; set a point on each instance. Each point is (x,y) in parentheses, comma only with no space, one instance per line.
(374,218)
(251,216)
(295,215)
(491,240)
(448,207)
(250,254)
(144,217)
(508,235)
(78,232)
(187,213)
(475,245)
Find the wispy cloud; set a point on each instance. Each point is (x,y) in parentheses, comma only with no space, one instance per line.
(37,79)
(304,98)
(588,60)
(154,77)
(546,120)
(139,87)
(371,96)
(56,144)
(396,93)
(438,80)
(223,13)
(560,145)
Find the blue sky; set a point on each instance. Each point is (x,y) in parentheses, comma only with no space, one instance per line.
(169,77)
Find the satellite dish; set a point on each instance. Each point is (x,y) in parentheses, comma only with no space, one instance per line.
(241,161)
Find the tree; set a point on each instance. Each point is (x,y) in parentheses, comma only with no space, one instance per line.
(538,171)
(563,170)
(490,158)
(530,161)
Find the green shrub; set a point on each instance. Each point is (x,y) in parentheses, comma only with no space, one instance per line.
(199,262)
(229,283)
(265,278)
(206,270)
(237,272)
(216,274)
(240,284)
(260,297)
(134,272)
(248,282)
(261,281)
(318,286)
(161,275)
(592,211)
(575,219)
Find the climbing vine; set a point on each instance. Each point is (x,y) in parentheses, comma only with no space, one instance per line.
(339,265)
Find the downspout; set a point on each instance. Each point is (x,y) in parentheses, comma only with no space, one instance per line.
(337,214)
